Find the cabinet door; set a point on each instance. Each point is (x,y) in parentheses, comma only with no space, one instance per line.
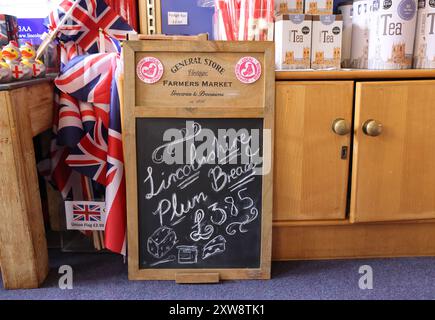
(311,161)
(393,175)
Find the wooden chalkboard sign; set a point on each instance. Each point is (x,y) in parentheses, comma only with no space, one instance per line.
(198,144)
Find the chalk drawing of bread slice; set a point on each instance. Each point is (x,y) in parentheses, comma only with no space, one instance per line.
(213,247)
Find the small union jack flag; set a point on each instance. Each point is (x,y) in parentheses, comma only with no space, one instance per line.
(86,212)
(85,22)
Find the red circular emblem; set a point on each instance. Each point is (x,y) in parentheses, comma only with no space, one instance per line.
(149,70)
(248,70)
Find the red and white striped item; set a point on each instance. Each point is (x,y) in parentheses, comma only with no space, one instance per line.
(244,20)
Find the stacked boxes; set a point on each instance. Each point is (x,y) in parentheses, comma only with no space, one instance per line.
(326,42)
(304,41)
(424,52)
(293,41)
(368,34)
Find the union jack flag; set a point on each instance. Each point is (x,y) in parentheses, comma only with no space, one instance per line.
(85,22)
(86,152)
(67,132)
(90,86)
(86,212)
(89,78)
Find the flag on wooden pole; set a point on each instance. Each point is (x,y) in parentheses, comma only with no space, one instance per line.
(89,31)
(84,19)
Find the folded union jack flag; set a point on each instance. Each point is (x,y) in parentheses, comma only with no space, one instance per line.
(90,120)
(69,124)
(86,151)
(87,18)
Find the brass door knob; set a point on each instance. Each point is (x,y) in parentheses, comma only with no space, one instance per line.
(340,127)
(372,128)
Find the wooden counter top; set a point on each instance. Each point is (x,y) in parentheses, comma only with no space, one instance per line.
(355,74)
(26,83)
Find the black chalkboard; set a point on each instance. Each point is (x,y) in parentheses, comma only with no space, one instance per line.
(217,218)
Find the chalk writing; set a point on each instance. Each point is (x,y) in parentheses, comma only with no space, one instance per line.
(200,210)
(219,212)
(231,228)
(201,232)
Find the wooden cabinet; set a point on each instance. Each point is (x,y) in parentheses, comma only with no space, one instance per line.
(393,156)
(311,161)
(380,200)
(393,174)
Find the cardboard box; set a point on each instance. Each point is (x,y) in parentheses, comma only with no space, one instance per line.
(326,42)
(392,34)
(359,55)
(346,10)
(293,41)
(424,51)
(289,6)
(319,7)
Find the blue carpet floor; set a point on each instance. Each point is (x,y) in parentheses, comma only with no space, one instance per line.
(104,276)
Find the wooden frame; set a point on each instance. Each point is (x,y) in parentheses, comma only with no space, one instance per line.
(131,111)
(140,36)
(354,74)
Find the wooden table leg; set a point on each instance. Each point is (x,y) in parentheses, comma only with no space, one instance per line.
(23,247)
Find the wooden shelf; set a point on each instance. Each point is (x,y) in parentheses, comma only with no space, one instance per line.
(26,83)
(344,222)
(355,74)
